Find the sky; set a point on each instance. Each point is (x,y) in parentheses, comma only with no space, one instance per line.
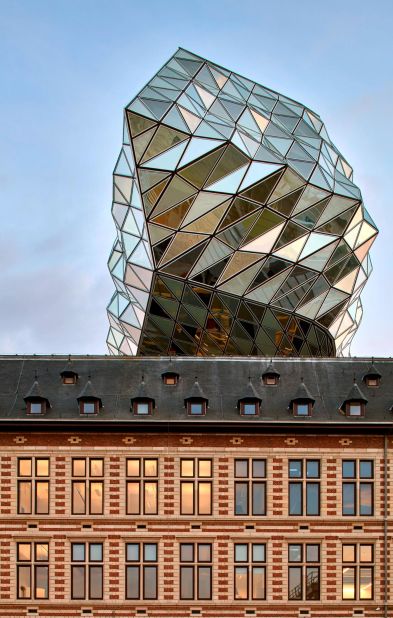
(67,70)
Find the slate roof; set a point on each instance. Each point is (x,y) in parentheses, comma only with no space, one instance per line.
(222,380)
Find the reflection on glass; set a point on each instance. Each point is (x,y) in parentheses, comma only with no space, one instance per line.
(96,467)
(348,583)
(78,552)
(41,582)
(24,467)
(41,552)
(133,467)
(204,552)
(95,552)
(195,407)
(141,407)
(133,498)
(95,583)
(187,499)
(204,582)
(312,583)
(258,582)
(150,498)
(79,467)
(312,499)
(349,491)
(187,552)
(312,469)
(295,553)
(294,583)
(24,585)
(187,467)
(204,498)
(349,553)
(295,468)
(42,467)
(42,497)
(35,407)
(96,497)
(241,552)
(88,407)
(301,409)
(24,551)
(366,469)
(204,467)
(241,583)
(150,582)
(132,591)
(250,409)
(259,468)
(241,468)
(24,497)
(150,552)
(150,467)
(187,582)
(366,553)
(78,497)
(133,552)
(258,552)
(258,499)
(348,469)
(366,582)
(354,409)
(78,582)
(295,498)
(366,499)
(312,553)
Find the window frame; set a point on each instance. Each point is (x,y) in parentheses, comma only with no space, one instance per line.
(201,402)
(82,404)
(141,480)
(304,481)
(86,565)
(32,565)
(168,376)
(141,564)
(357,482)
(255,403)
(196,480)
(297,404)
(195,564)
(41,402)
(250,565)
(34,479)
(358,403)
(270,379)
(358,565)
(304,565)
(135,405)
(250,480)
(87,479)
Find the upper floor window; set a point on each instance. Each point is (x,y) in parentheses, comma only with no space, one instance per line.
(36,407)
(249,408)
(32,570)
(357,571)
(250,487)
(69,377)
(302,408)
(87,486)
(142,408)
(250,571)
(86,570)
(89,406)
(195,571)
(354,408)
(304,486)
(196,407)
(270,379)
(358,487)
(142,486)
(141,570)
(33,486)
(170,378)
(303,572)
(196,491)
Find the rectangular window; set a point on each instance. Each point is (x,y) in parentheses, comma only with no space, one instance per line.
(250,491)
(358,487)
(142,486)
(303,572)
(250,571)
(32,570)
(196,491)
(141,570)
(196,571)
(86,570)
(33,486)
(304,492)
(87,486)
(357,571)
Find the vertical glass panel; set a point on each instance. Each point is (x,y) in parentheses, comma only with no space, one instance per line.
(96,497)
(241,582)
(301,409)
(366,469)
(150,552)
(312,583)
(24,497)
(78,552)
(312,553)
(24,582)
(259,468)
(133,467)
(348,469)
(295,468)
(150,582)
(204,552)
(204,582)
(366,553)
(258,582)
(186,582)
(150,498)
(24,467)
(88,407)
(150,467)
(41,552)
(95,584)
(312,469)
(187,499)
(195,407)
(348,582)
(96,467)
(258,552)
(132,591)
(41,582)
(42,497)
(187,467)
(295,498)
(186,552)
(204,498)
(241,552)
(349,554)
(204,467)
(24,551)
(35,407)
(250,409)
(241,468)
(258,499)
(294,583)
(78,582)
(295,553)
(95,552)
(241,499)
(366,582)
(133,552)
(78,497)
(366,499)
(312,507)
(42,467)
(133,498)
(349,498)
(79,467)
(141,407)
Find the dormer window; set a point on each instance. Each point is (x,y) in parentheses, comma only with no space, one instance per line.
(88,401)
(354,405)
(354,408)
(196,408)
(270,377)
(170,378)
(302,408)
(69,377)
(142,408)
(36,402)
(36,407)
(372,381)
(303,402)
(88,406)
(249,408)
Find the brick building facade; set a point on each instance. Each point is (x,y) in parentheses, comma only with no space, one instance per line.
(225,512)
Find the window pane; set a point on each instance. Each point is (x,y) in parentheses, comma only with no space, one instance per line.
(95,573)
(204,467)
(133,498)
(312,553)
(88,407)
(96,467)
(186,552)
(78,552)
(35,407)
(241,499)
(24,551)
(259,468)
(295,468)
(24,496)
(150,552)
(312,583)
(79,467)
(295,498)
(96,497)
(151,498)
(187,467)
(258,552)
(366,469)
(241,582)
(241,468)
(132,582)
(24,466)
(295,553)
(366,583)
(295,583)
(312,469)
(349,498)
(258,582)
(78,582)
(312,507)
(187,499)
(241,552)
(366,499)
(250,409)
(355,409)
(186,582)
(133,467)
(150,582)
(42,497)
(78,497)
(24,585)
(133,552)
(348,583)
(349,554)
(204,582)
(41,582)
(258,499)
(204,552)
(205,498)
(41,552)
(42,467)
(195,408)
(301,409)
(142,407)
(366,553)
(150,467)
(95,552)
(348,468)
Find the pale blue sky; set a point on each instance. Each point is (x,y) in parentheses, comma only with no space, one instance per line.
(67,69)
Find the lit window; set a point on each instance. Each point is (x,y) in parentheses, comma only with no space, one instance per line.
(357,571)
(270,379)
(354,408)
(36,407)
(33,488)
(141,570)
(170,379)
(86,571)
(196,408)
(32,570)
(196,492)
(142,408)
(87,486)
(249,408)
(372,381)
(69,378)
(301,409)
(142,490)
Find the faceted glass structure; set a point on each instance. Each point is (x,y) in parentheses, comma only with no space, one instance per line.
(239,228)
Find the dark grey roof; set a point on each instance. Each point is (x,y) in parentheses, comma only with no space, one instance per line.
(302,394)
(249,392)
(143,393)
(354,394)
(221,379)
(271,371)
(195,392)
(88,392)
